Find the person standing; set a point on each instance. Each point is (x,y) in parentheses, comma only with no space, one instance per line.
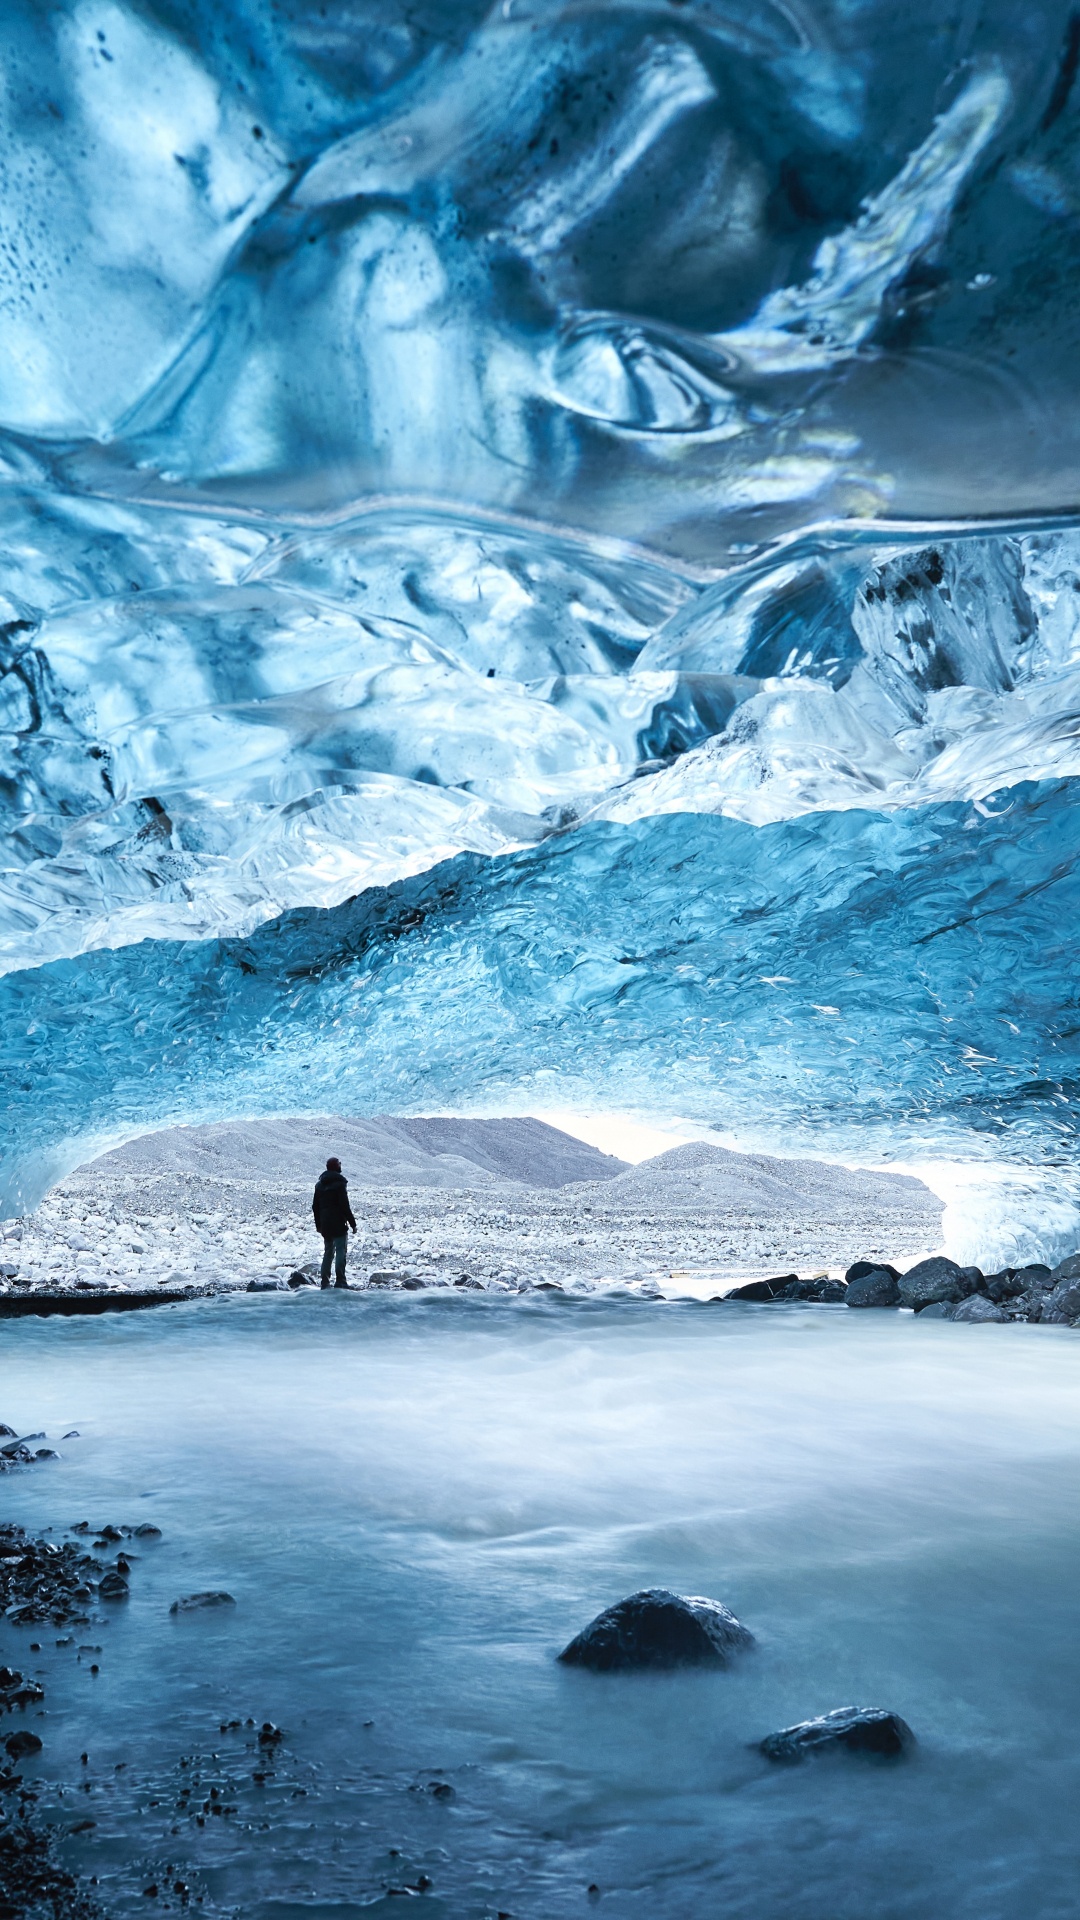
(333,1218)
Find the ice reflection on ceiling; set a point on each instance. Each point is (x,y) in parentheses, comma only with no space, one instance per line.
(615,460)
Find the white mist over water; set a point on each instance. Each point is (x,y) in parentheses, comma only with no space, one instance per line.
(417,1502)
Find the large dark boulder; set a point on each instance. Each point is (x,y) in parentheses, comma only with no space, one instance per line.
(1067,1269)
(930,1281)
(861,1268)
(656,1628)
(872,1730)
(878,1288)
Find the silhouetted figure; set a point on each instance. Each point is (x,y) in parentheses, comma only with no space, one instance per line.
(333,1218)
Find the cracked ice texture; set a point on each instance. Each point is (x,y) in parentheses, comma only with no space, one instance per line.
(429,429)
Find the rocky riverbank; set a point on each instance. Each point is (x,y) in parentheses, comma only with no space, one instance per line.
(937,1287)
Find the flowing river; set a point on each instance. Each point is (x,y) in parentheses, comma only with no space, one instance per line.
(416,1502)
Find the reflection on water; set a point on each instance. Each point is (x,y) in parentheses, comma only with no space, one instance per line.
(417,1502)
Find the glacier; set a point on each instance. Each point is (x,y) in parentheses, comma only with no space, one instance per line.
(541,565)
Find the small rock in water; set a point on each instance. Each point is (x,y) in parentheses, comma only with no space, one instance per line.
(18,1745)
(196,1602)
(113,1587)
(874,1289)
(937,1310)
(657,1628)
(930,1281)
(977,1310)
(872,1730)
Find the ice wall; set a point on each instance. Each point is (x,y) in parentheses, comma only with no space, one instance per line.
(594,481)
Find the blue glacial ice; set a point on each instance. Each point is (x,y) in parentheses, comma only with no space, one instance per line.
(539,562)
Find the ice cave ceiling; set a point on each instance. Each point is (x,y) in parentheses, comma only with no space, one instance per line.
(540,564)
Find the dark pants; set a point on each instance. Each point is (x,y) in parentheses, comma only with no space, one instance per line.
(335,1248)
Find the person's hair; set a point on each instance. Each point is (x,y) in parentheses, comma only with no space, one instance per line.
(333,1165)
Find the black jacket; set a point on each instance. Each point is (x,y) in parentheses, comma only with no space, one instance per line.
(330,1205)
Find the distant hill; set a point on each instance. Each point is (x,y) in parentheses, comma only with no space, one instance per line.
(700,1177)
(382,1152)
(462,1153)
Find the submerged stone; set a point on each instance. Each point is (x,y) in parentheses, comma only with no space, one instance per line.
(869,1730)
(196,1602)
(657,1628)
(19,1745)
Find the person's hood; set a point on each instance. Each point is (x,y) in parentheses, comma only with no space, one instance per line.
(332,1180)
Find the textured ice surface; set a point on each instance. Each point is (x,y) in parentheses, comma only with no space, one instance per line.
(628,450)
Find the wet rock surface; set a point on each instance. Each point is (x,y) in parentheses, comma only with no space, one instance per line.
(940,1289)
(201,1602)
(874,1289)
(860,1268)
(658,1629)
(977,1310)
(863,1730)
(32,1880)
(930,1281)
(1061,1305)
(42,1581)
(788,1287)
